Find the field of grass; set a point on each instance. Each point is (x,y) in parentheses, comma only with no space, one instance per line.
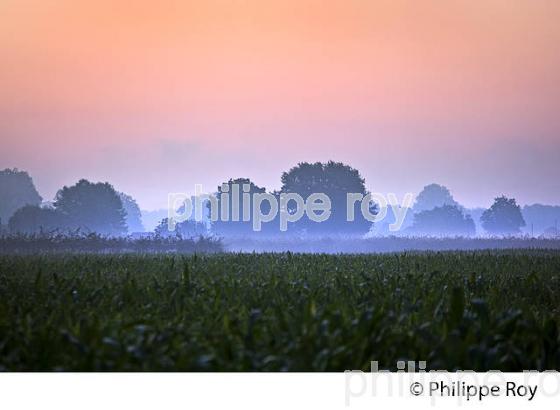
(475,310)
(94,243)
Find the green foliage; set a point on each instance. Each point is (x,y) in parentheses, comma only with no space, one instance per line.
(280,312)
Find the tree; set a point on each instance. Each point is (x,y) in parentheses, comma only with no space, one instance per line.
(94,207)
(133,215)
(33,219)
(335,180)
(235,191)
(185,229)
(433,196)
(445,220)
(503,217)
(16,190)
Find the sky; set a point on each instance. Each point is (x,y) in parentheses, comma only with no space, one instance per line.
(157,96)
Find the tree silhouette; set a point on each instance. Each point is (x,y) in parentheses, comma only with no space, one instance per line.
(336,180)
(16,190)
(433,196)
(93,207)
(236,187)
(133,215)
(503,217)
(32,219)
(185,229)
(445,220)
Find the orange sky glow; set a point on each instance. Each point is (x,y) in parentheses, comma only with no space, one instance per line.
(155,96)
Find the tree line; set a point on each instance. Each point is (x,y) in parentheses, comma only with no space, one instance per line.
(86,206)
(97,207)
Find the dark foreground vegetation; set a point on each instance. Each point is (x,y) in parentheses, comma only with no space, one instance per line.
(94,243)
(154,244)
(280,312)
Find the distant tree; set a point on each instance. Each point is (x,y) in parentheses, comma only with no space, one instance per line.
(33,219)
(503,217)
(336,180)
(445,220)
(231,191)
(94,207)
(16,190)
(433,196)
(539,217)
(133,215)
(191,229)
(162,228)
(185,229)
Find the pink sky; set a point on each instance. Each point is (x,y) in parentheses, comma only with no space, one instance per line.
(165,94)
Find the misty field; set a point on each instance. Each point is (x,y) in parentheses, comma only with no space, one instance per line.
(475,310)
